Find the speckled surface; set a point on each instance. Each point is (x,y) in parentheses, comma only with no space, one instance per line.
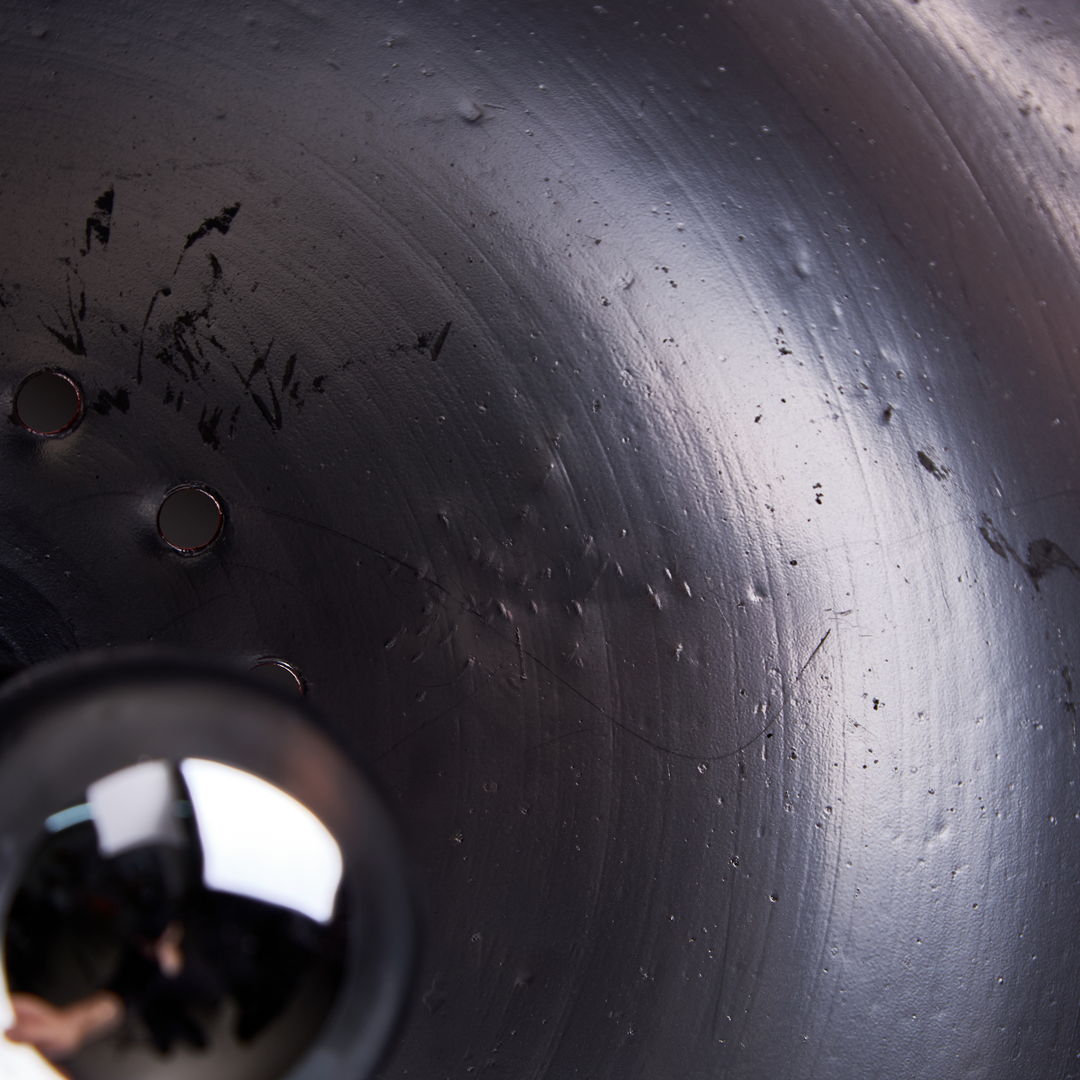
(651,431)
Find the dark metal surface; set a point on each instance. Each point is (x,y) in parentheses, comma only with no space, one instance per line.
(650,431)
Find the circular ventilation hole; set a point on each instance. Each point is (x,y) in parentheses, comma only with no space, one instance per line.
(48,403)
(280,674)
(190,518)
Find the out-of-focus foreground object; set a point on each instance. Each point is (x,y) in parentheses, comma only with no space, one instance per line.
(195,882)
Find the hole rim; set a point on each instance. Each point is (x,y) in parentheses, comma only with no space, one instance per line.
(213,496)
(279,664)
(76,418)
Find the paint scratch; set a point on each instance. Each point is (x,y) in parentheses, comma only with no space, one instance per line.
(817,648)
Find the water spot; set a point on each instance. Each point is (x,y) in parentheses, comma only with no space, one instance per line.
(940,834)
(469,111)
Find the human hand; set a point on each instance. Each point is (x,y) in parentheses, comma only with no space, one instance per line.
(58,1033)
(54,1032)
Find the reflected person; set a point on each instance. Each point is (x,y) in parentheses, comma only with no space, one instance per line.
(134,944)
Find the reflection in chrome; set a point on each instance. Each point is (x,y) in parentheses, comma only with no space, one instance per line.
(181,912)
(259,842)
(136,806)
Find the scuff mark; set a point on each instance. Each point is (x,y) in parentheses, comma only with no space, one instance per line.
(425,343)
(939,472)
(99,223)
(997,543)
(271,412)
(1068,702)
(440,341)
(271,415)
(221,223)
(290,368)
(164,291)
(208,427)
(467,605)
(70,335)
(1043,555)
(118,399)
(817,648)
(257,366)
(521,654)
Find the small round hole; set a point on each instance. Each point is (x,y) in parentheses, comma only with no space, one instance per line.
(190,518)
(280,674)
(48,403)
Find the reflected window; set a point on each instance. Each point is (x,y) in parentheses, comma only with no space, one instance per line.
(260,842)
(136,807)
